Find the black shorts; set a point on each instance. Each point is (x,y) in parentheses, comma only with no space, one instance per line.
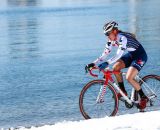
(137,62)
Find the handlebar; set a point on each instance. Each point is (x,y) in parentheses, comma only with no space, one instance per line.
(108,72)
(90,72)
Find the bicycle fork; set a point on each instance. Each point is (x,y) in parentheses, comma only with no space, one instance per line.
(100,97)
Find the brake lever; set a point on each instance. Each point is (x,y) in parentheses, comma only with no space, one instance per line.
(86,69)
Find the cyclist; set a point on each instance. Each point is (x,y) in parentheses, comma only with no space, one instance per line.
(135,58)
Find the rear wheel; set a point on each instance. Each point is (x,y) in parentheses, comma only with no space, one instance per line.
(151,87)
(88,104)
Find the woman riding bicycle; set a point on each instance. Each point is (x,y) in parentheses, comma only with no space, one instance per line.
(135,58)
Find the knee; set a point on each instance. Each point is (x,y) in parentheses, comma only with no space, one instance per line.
(116,67)
(129,78)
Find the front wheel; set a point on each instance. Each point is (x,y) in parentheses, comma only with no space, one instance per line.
(88,104)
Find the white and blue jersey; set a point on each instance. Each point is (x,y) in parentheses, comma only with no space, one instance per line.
(135,57)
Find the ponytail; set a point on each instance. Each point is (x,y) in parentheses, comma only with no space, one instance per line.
(132,34)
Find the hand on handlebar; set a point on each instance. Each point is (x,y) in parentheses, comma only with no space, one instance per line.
(89,67)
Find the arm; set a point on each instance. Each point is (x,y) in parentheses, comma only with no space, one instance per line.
(105,53)
(122,47)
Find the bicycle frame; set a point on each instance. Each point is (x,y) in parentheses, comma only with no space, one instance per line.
(108,79)
(101,96)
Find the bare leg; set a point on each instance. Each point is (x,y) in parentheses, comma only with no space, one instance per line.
(131,73)
(117,67)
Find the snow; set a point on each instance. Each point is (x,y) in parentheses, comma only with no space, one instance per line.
(138,121)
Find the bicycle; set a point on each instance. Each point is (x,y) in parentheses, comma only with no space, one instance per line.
(98,98)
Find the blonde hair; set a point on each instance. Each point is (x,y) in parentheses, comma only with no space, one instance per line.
(132,34)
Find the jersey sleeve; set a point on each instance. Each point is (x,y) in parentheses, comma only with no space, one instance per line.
(122,47)
(105,53)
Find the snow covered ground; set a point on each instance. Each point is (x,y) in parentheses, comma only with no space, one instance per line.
(139,121)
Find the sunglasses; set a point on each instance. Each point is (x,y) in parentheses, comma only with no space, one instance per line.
(108,33)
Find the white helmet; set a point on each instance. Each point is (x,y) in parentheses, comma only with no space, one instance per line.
(108,27)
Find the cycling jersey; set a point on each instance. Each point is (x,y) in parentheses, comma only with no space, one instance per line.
(124,42)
